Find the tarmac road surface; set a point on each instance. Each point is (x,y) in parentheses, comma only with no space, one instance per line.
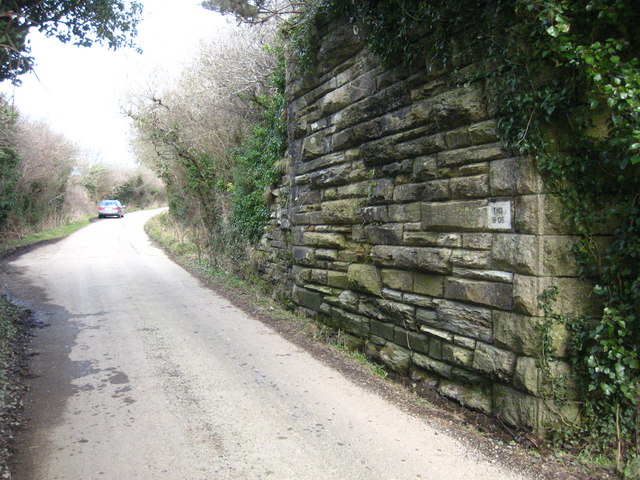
(143,374)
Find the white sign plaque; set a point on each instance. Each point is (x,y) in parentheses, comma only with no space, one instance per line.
(499,215)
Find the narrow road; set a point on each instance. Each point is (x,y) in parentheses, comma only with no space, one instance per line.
(144,374)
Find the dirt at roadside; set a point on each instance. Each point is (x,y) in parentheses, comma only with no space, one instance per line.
(16,326)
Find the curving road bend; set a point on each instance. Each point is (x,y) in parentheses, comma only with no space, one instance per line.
(143,374)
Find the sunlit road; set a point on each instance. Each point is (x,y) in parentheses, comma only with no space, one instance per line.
(144,374)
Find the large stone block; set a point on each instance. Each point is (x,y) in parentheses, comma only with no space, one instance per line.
(542,214)
(477,241)
(328,240)
(326,254)
(315,145)
(338,175)
(558,259)
(527,376)
(396,358)
(476,186)
(458,138)
(350,322)
(337,279)
(476,154)
(339,99)
(517,408)
(483,132)
(409,192)
(390,234)
(425,259)
(351,190)
(467,170)
(343,211)
(574,298)
(364,278)
(460,215)
(503,176)
(307,298)
(307,218)
(488,275)
(370,107)
(470,259)
(304,256)
(516,253)
(441,369)
(381,190)
(468,320)
(495,362)
(528,411)
(435,346)
(300,275)
(417,341)
(390,294)
(420,300)
(469,377)
(428,318)
(319,288)
(493,294)
(325,162)
(574,295)
(318,276)
(425,168)
(457,355)
(426,284)
(525,295)
(437,190)
(450,109)
(375,214)
(397,279)
(401,169)
(399,147)
(410,212)
(388,310)
(521,334)
(477,398)
(382,329)
(305,195)
(349,300)
(528,181)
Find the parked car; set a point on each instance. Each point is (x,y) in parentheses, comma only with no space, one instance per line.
(110,208)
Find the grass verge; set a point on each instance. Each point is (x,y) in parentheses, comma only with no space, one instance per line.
(7,247)
(15,324)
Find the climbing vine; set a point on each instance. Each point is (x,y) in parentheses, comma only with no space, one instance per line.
(563,81)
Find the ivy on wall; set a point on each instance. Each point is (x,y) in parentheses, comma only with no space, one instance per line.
(563,80)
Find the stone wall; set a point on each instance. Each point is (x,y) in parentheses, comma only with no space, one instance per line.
(406,224)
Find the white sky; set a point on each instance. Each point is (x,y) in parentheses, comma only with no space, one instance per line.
(79,91)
